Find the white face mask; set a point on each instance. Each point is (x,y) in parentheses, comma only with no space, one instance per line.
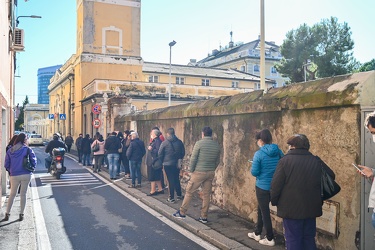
(373,138)
(259,145)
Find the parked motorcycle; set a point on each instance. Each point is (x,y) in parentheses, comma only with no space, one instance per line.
(57,165)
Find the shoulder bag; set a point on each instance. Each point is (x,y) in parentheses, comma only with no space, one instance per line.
(26,162)
(328,185)
(95,148)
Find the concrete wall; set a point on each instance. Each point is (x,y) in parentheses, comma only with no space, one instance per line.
(327,111)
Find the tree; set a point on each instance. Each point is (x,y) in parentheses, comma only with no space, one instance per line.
(19,125)
(367,66)
(323,50)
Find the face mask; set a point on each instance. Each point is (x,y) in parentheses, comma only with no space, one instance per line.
(259,145)
(373,138)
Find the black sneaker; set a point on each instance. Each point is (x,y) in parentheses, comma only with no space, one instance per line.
(180,198)
(179,215)
(170,200)
(203,220)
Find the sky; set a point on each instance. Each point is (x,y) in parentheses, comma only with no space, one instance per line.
(198,27)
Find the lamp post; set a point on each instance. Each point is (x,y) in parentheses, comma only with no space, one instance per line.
(171,44)
(31,16)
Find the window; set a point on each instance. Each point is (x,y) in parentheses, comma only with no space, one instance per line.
(205,82)
(153,79)
(180,80)
(243,68)
(257,86)
(234,84)
(256,68)
(273,70)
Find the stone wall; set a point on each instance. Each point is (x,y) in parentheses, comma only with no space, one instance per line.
(328,111)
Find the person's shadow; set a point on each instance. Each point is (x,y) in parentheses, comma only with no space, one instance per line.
(8,223)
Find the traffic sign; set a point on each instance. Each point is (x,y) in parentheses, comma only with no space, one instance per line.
(62,117)
(51,116)
(96,109)
(96,123)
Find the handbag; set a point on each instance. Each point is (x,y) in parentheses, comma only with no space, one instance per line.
(157,164)
(329,186)
(95,148)
(26,162)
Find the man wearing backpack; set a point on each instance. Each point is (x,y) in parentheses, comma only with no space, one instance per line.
(171,150)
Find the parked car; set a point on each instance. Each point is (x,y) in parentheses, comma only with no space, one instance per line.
(35,139)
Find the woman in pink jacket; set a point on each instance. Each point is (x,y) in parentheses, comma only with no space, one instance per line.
(99,154)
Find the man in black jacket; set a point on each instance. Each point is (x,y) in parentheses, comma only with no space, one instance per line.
(112,146)
(171,150)
(296,191)
(135,153)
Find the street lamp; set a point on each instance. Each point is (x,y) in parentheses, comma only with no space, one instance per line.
(32,16)
(305,65)
(171,44)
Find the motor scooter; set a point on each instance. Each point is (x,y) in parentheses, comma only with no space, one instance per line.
(57,165)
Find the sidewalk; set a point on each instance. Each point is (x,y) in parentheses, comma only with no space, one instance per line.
(224,230)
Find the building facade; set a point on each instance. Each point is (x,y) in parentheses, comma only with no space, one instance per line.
(44,77)
(36,119)
(246,58)
(7,53)
(107,76)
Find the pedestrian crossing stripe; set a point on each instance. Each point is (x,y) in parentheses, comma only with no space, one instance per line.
(69,180)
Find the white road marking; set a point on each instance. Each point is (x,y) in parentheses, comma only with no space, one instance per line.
(41,230)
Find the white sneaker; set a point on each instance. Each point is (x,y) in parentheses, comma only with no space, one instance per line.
(267,242)
(254,236)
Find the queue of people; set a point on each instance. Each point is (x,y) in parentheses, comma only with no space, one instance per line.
(279,177)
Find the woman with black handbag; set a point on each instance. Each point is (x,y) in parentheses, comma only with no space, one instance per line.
(19,174)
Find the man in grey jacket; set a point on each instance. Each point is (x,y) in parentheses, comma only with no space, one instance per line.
(203,163)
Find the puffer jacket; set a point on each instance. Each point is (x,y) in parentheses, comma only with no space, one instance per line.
(264,165)
(170,155)
(136,150)
(205,156)
(112,144)
(101,147)
(295,187)
(14,159)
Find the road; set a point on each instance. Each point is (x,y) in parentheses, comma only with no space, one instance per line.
(85,211)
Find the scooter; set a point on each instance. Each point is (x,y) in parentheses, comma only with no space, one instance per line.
(57,165)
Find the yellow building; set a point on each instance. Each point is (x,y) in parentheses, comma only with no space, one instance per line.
(107,76)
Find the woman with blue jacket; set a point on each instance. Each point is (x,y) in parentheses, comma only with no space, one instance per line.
(18,174)
(264,165)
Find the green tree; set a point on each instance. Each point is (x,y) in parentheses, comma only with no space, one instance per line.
(19,125)
(367,66)
(323,50)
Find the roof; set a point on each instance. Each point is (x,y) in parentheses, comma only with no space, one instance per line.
(183,70)
(253,45)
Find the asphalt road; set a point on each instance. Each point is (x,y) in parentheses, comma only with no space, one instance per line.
(85,211)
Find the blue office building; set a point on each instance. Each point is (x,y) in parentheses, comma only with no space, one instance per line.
(44,76)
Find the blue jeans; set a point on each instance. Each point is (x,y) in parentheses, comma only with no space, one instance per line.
(373,220)
(135,171)
(300,234)
(86,159)
(112,164)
